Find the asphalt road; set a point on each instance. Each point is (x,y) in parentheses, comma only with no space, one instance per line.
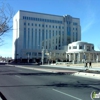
(23,84)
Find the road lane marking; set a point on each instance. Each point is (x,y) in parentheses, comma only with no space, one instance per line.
(17,76)
(67,94)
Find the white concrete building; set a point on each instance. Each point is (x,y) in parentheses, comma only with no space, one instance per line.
(33,31)
(82,51)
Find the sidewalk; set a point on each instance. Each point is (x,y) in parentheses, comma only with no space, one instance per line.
(72,67)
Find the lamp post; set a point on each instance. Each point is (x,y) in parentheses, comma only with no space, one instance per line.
(28,58)
(42,56)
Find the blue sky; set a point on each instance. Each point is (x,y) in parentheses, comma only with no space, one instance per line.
(87,10)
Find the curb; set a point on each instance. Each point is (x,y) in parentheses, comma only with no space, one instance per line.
(95,87)
(87,75)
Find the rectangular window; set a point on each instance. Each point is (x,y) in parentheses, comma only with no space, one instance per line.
(56,32)
(76,36)
(53,32)
(39,37)
(34,54)
(42,35)
(28,37)
(88,48)
(24,44)
(93,48)
(35,38)
(69,47)
(46,34)
(50,34)
(62,27)
(43,25)
(74,23)
(28,24)
(32,38)
(80,47)
(56,40)
(39,25)
(24,23)
(35,24)
(59,32)
(74,47)
(39,54)
(32,24)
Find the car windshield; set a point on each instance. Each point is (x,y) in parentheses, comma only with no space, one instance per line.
(48,50)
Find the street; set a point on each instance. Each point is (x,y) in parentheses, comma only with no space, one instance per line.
(24,84)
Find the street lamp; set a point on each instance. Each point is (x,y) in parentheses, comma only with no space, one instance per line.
(28,58)
(42,56)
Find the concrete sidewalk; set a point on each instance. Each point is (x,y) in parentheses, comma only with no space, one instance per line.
(72,67)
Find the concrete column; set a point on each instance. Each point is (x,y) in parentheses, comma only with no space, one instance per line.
(79,55)
(85,47)
(93,57)
(83,57)
(89,57)
(70,58)
(66,56)
(74,58)
(97,58)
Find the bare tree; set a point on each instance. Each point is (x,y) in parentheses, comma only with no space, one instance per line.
(6,15)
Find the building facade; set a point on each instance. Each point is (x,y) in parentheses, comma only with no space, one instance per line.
(79,52)
(34,31)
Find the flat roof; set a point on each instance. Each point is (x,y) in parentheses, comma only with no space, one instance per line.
(46,14)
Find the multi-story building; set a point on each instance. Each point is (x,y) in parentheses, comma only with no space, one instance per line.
(34,31)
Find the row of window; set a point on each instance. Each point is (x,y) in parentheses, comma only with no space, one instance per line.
(42,19)
(28,54)
(43,25)
(75,47)
(44,31)
(81,47)
(74,23)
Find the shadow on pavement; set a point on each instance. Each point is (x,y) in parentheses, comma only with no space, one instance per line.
(3,63)
(38,74)
(61,85)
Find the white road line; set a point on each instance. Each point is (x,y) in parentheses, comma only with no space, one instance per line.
(67,94)
(17,76)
